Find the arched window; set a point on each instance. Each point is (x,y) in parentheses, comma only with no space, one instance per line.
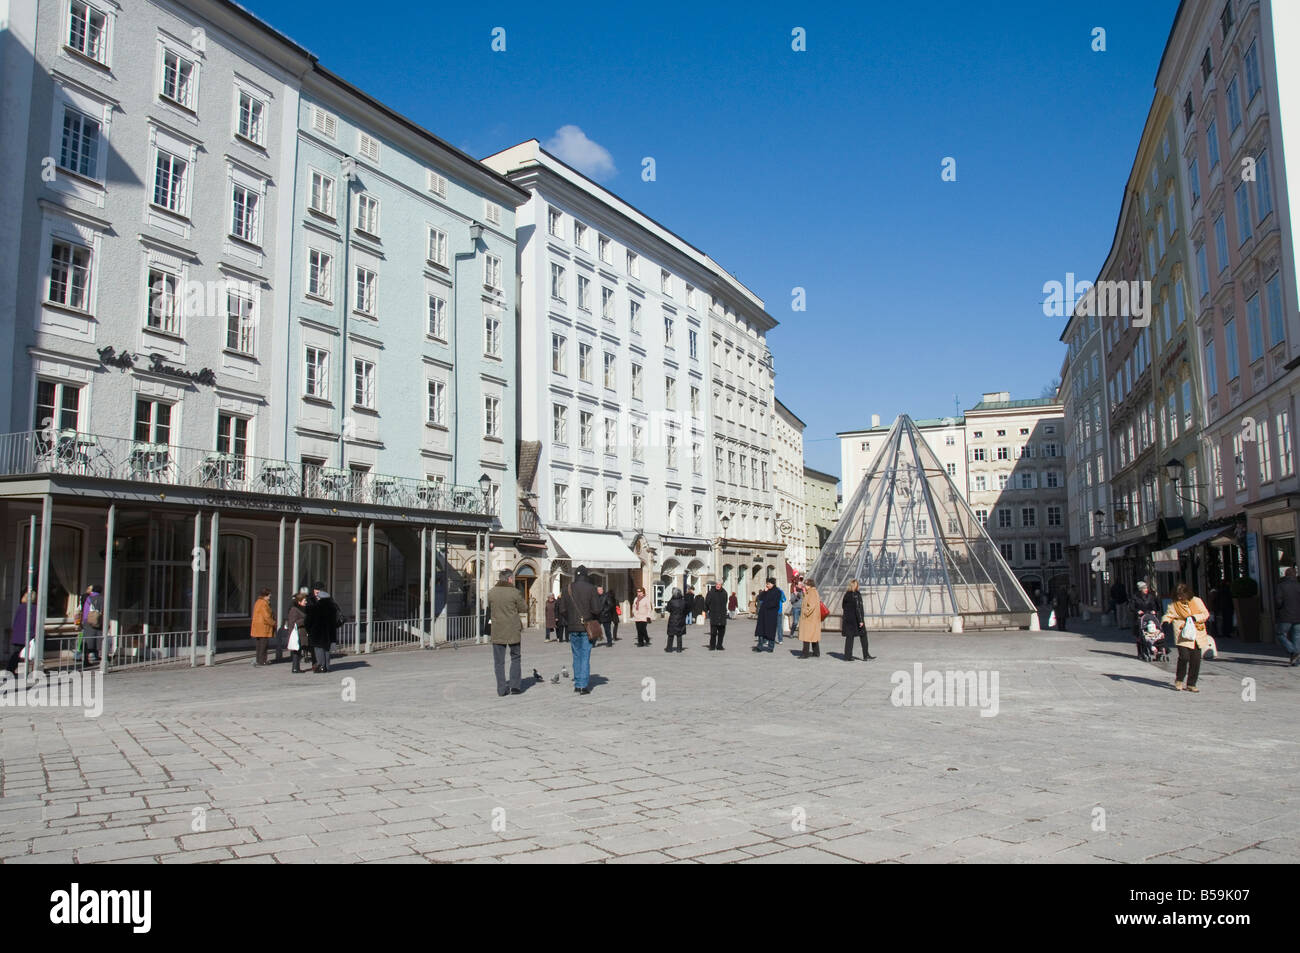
(316,563)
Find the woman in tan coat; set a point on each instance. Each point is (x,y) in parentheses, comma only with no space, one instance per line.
(1187,606)
(810,620)
(263,627)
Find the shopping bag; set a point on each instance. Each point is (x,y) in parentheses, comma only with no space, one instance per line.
(1051,619)
(293,639)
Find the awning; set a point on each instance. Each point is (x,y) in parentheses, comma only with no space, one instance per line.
(1117,551)
(1201,537)
(595,550)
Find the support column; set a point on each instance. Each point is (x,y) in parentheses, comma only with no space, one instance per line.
(478,586)
(214,546)
(42,576)
(424,558)
(31,598)
(297,548)
(356,591)
(279,579)
(195,555)
(433,587)
(105,618)
(370,585)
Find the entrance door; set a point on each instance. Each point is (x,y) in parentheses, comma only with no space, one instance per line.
(525,586)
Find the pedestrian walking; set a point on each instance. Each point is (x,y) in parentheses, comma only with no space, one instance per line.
(796,607)
(853,623)
(768,613)
(1191,640)
(1145,604)
(642,612)
(550,617)
(91,620)
(296,623)
(732,605)
(505,604)
(676,609)
(810,620)
(579,605)
(715,607)
(618,612)
(23,631)
(1062,608)
(1287,602)
(323,623)
(606,614)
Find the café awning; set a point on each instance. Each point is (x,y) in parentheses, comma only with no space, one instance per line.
(594,550)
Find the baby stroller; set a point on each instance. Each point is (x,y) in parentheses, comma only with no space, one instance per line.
(1152,644)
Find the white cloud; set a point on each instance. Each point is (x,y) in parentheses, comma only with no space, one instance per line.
(571,145)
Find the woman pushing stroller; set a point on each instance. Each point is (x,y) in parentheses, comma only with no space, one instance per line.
(1151,643)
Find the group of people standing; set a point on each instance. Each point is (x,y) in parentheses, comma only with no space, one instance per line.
(311,627)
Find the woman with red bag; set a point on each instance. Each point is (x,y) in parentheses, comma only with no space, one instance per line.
(810,620)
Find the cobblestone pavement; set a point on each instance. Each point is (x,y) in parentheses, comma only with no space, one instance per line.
(738,757)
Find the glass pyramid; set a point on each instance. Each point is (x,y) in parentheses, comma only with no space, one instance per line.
(921,558)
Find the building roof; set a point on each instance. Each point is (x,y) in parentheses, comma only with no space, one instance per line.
(923,423)
(818,475)
(789,413)
(1017,404)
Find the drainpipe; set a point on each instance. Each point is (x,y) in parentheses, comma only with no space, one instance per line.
(349,172)
(475,233)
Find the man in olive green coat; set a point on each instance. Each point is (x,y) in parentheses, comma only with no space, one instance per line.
(505,605)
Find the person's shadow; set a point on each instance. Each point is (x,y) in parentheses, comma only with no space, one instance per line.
(1135,678)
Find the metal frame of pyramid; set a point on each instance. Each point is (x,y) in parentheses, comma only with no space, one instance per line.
(920,555)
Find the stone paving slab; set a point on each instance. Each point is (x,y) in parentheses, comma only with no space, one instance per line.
(673,758)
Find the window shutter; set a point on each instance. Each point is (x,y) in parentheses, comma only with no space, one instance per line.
(437,184)
(368,147)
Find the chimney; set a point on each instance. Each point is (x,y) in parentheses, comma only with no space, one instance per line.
(875,420)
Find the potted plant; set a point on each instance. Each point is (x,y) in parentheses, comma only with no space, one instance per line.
(1245,598)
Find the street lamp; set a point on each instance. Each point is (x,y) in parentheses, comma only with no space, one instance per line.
(484,485)
(1174,471)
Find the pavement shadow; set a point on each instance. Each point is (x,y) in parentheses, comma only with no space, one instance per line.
(1134,678)
(348,663)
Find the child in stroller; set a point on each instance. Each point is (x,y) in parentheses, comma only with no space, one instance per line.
(1152,641)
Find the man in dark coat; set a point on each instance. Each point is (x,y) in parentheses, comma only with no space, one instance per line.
(715,607)
(676,609)
(853,622)
(699,607)
(578,605)
(608,613)
(769,616)
(1119,599)
(323,623)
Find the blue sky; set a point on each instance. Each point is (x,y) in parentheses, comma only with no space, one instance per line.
(817,169)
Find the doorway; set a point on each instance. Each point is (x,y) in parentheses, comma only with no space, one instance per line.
(525,576)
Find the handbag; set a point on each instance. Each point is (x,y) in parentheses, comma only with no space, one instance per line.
(594,631)
(293,640)
(825,612)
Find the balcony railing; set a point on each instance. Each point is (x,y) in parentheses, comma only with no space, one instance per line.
(115,458)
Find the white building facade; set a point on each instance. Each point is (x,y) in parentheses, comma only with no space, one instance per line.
(791,510)
(858,448)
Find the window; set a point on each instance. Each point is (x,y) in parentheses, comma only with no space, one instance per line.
(1216,471)
(638,444)
(1263,188)
(611,435)
(1244,228)
(244,219)
(951,468)
(665,283)
(1225,19)
(79,150)
(555,222)
(638,509)
(1002,480)
(585,437)
(602,247)
(1202,271)
(1028,516)
(1239,461)
(559,423)
(695,401)
(636,382)
(668,331)
(611,509)
(323,122)
(560,501)
(251,121)
(153,421)
(634,317)
(976,454)
(1264,450)
(1194,180)
(1004,518)
(367,147)
(1234,104)
(607,303)
(1254,328)
(670,393)
(437,246)
(982,515)
(1212,142)
(697,458)
(492,272)
(1221,243)
(58,406)
(367,286)
(611,371)
(1285,462)
(320,275)
(491,333)
(492,212)
(1002,453)
(322,193)
(557,281)
(1054,552)
(1031,552)
(178,79)
(672,452)
(1187,108)
(1251,61)
(693,345)
(438,317)
(164,303)
(170,181)
(316,380)
(579,234)
(1053,516)
(1027,480)
(492,416)
(232,435)
(368,217)
(559,354)
(437,184)
(633,267)
(1211,370)
(363,383)
(981,484)
(731,466)
(584,293)
(1230,343)
(239,321)
(88,31)
(1276,320)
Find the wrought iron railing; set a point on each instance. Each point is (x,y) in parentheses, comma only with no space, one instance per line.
(116,458)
